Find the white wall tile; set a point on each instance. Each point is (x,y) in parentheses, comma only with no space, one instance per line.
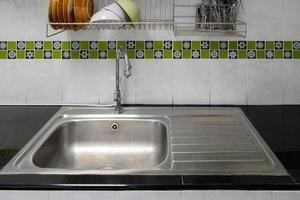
(225,195)
(154,82)
(265,82)
(148,195)
(82,195)
(43,81)
(292,82)
(12,17)
(290,16)
(286,195)
(30,82)
(265,19)
(36,19)
(24,195)
(260,195)
(81,81)
(214,195)
(228,82)
(191,82)
(11,83)
(193,195)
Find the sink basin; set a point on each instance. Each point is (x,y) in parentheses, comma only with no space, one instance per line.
(147,141)
(104,145)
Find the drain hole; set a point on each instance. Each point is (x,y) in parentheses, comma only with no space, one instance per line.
(114,126)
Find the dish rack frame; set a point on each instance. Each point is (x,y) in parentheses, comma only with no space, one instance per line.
(162,15)
(225,19)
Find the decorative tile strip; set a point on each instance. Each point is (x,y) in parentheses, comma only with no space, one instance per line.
(29,50)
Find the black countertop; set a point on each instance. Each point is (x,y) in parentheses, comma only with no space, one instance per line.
(278,125)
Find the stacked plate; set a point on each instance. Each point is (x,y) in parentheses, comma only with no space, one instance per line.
(69,11)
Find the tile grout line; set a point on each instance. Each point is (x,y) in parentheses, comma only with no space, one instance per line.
(247,82)
(285,70)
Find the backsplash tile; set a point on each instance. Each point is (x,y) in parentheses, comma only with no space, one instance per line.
(265,82)
(151,49)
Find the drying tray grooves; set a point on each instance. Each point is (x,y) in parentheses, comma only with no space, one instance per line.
(221,144)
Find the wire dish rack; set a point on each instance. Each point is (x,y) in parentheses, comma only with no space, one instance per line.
(155,15)
(195,17)
(184,17)
(145,25)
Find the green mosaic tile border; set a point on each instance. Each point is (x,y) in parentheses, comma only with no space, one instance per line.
(150,49)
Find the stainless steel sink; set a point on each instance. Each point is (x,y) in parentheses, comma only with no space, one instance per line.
(157,140)
(105,145)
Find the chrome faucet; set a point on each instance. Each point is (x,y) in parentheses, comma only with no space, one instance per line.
(121,52)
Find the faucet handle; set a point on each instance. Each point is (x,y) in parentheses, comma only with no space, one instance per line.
(127,71)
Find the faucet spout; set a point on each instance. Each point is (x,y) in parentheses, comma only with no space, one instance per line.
(127,73)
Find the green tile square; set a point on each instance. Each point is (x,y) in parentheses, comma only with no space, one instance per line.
(296,54)
(56,54)
(84,45)
(158,45)
(131,54)
(140,45)
(270,45)
(232,44)
(103,45)
(214,45)
(3,54)
(251,44)
(168,54)
(20,54)
(205,54)
(260,54)
(11,45)
(66,45)
(121,44)
(29,45)
(223,54)
(48,45)
(288,45)
(187,54)
(177,45)
(93,54)
(39,54)
(196,45)
(149,54)
(278,54)
(111,54)
(75,54)
(242,54)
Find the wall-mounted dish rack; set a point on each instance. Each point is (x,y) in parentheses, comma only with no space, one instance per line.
(195,17)
(184,17)
(144,25)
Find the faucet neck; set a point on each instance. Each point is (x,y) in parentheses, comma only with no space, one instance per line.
(121,52)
